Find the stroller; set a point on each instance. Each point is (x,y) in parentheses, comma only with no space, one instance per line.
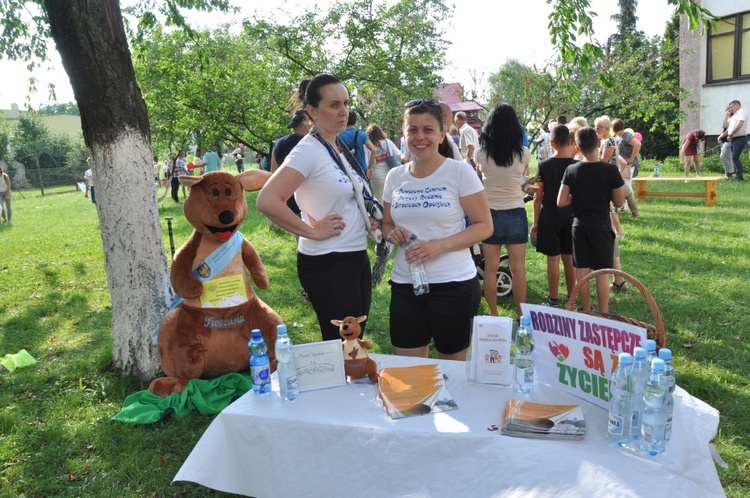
(504,278)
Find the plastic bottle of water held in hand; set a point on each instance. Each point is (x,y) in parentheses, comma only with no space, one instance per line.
(418,275)
(656,420)
(650,351)
(524,360)
(621,402)
(260,368)
(639,372)
(286,370)
(666,355)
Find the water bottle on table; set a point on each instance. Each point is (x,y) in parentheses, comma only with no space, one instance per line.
(621,402)
(523,362)
(286,371)
(656,170)
(260,367)
(418,275)
(656,423)
(666,355)
(639,373)
(650,351)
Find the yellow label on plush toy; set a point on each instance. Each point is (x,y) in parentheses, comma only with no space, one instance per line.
(224,292)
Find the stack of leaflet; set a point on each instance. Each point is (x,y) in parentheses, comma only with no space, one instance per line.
(543,421)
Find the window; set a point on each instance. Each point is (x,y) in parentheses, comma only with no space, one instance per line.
(729,49)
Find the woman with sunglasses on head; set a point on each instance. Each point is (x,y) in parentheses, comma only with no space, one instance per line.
(503,162)
(426,200)
(332,262)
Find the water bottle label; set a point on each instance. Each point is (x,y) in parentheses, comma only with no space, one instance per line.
(291,383)
(528,376)
(647,433)
(615,425)
(261,374)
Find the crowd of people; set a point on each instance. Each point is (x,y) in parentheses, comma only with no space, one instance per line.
(450,187)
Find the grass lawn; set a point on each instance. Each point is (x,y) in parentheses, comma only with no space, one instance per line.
(56,437)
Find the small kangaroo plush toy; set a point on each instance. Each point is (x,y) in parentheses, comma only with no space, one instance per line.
(357,363)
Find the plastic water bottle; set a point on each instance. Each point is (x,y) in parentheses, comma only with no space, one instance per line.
(621,402)
(639,372)
(260,368)
(666,355)
(403,145)
(523,362)
(286,370)
(650,351)
(656,170)
(418,275)
(656,423)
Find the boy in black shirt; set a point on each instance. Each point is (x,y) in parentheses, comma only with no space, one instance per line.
(588,187)
(552,225)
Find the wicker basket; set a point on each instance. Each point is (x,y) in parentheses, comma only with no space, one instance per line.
(655,331)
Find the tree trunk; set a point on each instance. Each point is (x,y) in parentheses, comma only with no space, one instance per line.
(90,37)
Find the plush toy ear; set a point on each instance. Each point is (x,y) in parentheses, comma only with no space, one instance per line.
(337,322)
(254,179)
(361,318)
(190,180)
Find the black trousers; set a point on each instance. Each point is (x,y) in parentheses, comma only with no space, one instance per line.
(339,284)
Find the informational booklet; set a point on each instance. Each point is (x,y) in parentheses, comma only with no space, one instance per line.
(544,421)
(490,355)
(415,390)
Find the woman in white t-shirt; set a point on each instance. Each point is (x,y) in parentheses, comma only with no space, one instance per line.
(503,163)
(332,261)
(428,199)
(383,148)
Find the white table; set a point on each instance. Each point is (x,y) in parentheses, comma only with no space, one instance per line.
(340,442)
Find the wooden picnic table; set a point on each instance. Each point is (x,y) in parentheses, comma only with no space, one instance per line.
(709,193)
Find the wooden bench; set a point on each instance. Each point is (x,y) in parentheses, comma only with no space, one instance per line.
(641,189)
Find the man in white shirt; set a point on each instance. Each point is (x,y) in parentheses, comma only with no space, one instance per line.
(737,135)
(469,142)
(447,120)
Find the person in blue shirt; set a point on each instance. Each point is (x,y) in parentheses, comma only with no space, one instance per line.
(356,140)
(211,161)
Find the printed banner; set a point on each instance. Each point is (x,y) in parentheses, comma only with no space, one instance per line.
(577,352)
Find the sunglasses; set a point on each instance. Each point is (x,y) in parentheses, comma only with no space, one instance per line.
(418,102)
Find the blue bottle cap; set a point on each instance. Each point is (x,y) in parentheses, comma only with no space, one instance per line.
(626,359)
(525,320)
(256,333)
(281,329)
(639,353)
(657,365)
(665,354)
(651,345)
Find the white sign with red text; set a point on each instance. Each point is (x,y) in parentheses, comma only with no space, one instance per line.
(577,352)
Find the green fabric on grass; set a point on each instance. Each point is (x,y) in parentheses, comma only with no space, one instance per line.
(208,396)
(18,360)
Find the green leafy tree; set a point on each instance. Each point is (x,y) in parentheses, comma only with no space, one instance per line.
(533,92)
(215,85)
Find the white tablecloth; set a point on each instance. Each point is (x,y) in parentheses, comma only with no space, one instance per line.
(340,442)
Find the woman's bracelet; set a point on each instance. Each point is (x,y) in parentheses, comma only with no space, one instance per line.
(388,237)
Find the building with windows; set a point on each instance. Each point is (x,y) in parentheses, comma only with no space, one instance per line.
(715,67)
(453,95)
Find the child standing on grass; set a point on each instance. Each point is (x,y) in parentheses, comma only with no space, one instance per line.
(552,225)
(588,187)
